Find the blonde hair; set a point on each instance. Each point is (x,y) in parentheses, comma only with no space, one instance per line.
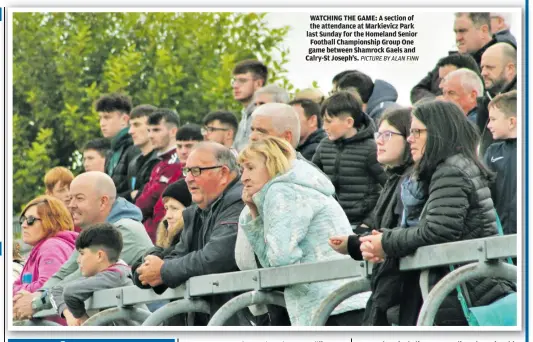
(277,152)
(312,94)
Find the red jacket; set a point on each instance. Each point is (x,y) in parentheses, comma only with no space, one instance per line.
(162,174)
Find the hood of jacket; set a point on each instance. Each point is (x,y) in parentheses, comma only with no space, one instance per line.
(122,209)
(383,92)
(301,173)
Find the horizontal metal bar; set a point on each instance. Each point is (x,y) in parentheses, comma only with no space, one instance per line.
(312,272)
(460,252)
(132,295)
(223,283)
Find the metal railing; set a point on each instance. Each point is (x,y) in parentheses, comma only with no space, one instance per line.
(481,256)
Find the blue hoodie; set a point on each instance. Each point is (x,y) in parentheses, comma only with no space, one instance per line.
(297,215)
(383,96)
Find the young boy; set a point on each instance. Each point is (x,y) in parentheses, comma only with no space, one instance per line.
(349,156)
(501,156)
(99,247)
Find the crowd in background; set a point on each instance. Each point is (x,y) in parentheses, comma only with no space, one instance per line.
(287,181)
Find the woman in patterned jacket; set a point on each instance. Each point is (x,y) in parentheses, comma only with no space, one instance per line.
(290,213)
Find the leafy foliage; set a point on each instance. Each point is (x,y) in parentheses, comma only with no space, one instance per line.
(64,61)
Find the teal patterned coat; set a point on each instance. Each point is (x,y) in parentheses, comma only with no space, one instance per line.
(297,215)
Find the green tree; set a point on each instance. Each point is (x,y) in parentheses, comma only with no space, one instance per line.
(62,62)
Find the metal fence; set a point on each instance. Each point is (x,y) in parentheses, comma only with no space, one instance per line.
(481,256)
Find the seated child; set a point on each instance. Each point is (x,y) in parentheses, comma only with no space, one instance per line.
(99,247)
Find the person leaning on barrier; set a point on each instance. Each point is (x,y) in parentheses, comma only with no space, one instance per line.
(290,212)
(93,201)
(458,207)
(392,152)
(207,243)
(99,248)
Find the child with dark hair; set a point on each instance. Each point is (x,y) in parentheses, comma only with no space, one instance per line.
(348,156)
(99,246)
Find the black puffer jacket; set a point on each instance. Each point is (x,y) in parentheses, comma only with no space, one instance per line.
(352,166)
(459,207)
(386,278)
(123,146)
(140,169)
(309,146)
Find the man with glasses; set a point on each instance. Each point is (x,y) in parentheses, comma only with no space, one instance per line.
(248,76)
(207,243)
(220,127)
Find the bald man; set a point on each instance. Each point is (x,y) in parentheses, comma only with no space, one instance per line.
(276,119)
(207,242)
(94,200)
(498,69)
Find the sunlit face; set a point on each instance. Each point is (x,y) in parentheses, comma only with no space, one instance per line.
(254,174)
(159,136)
(112,122)
(262,127)
(499,125)
(61,192)
(494,70)
(32,234)
(139,131)
(453,91)
(390,145)
(337,126)
(84,204)
(244,86)
(173,211)
(417,139)
(204,188)
(93,161)
(184,148)
(89,261)
(467,36)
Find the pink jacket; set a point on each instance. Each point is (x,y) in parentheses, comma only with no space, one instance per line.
(46,258)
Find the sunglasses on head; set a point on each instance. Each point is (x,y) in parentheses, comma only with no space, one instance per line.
(30,220)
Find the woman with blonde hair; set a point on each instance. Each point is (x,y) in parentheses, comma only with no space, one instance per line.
(290,213)
(47,226)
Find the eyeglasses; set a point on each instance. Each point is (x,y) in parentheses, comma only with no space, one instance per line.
(30,220)
(197,171)
(210,129)
(415,132)
(240,81)
(385,135)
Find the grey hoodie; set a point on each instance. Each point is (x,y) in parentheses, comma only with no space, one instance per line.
(74,294)
(124,216)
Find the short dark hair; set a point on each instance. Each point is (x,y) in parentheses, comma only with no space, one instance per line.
(459,60)
(142,111)
(170,116)
(478,18)
(340,75)
(227,118)
(310,108)
(115,102)
(449,132)
(101,236)
(190,132)
(360,81)
(344,103)
(254,66)
(100,145)
(506,103)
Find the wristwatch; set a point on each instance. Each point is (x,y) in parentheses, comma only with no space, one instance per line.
(37,303)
